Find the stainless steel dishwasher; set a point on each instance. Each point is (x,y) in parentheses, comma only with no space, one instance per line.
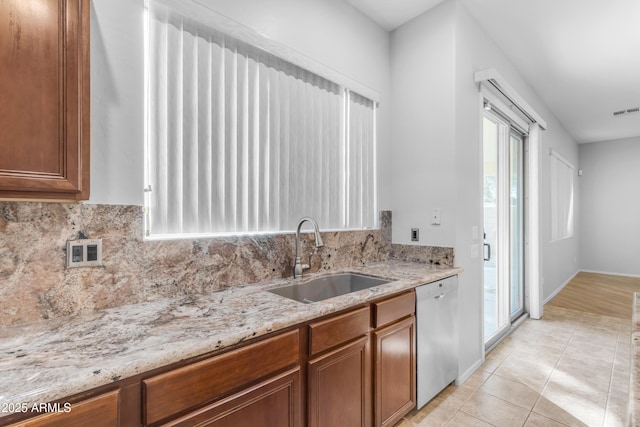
(437,337)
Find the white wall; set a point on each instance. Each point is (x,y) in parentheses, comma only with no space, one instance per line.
(476,51)
(436,157)
(422,123)
(117,102)
(329,31)
(610,206)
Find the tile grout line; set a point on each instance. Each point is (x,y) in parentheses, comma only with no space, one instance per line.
(613,368)
(497,397)
(467,399)
(493,372)
(573,333)
(460,408)
(474,417)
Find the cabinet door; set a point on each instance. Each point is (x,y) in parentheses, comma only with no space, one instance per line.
(44,101)
(340,387)
(274,402)
(394,371)
(100,411)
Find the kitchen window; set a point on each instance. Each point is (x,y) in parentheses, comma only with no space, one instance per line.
(562,172)
(240,141)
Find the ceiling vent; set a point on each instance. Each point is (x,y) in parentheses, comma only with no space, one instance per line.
(625,112)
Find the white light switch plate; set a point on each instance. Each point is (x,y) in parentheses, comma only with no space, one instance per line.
(475,250)
(435,216)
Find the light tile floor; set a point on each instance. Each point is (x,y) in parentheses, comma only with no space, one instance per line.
(568,369)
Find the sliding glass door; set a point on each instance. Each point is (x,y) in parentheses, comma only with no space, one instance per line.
(503,198)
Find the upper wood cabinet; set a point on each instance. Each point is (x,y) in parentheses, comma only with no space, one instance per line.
(44,99)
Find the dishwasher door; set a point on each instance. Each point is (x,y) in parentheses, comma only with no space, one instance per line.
(437,337)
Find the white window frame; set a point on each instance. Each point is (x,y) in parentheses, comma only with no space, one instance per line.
(562,182)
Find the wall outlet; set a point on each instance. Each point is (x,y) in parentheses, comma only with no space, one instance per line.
(415,234)
(84,253)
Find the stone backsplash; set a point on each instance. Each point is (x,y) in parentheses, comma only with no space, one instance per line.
(434,255)
(35,285)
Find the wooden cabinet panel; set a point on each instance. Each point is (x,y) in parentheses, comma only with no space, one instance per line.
(394,371)
(275,402)
(100,411)
(392,309)
(329,333)
(44,101)
(339,387)
(178,390)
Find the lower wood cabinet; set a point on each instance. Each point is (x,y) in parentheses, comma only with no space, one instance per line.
(340,387)
(99,411)
(274,402)
(395,372)
(183,392)
(339,371)
(394,357)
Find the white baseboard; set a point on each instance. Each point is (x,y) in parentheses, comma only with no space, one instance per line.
(467,374)
(610,273)
(557,291)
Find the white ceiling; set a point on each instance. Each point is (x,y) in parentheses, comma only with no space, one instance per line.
(582,57)
(390,14)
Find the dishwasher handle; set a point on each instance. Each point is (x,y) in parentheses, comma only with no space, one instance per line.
(442,295)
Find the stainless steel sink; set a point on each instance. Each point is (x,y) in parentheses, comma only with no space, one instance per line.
(327,287)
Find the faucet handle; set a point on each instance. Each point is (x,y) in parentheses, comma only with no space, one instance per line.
(308,265)
(298,268)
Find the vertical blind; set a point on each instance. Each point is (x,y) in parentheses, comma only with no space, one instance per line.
(561,196)
(241,141)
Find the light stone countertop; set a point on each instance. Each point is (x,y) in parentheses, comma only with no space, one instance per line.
(50,360)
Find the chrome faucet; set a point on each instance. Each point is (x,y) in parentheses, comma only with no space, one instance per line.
(298,268)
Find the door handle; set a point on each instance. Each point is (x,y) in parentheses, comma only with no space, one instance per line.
(439,296)
(487,252)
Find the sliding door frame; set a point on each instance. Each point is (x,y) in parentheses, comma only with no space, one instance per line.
(532,299)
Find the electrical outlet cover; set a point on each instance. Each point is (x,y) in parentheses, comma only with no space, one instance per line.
(84,253)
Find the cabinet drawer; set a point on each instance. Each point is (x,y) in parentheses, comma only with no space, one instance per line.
(329,333)
(395,308)
(100,411)
(178,390)
(274,402)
